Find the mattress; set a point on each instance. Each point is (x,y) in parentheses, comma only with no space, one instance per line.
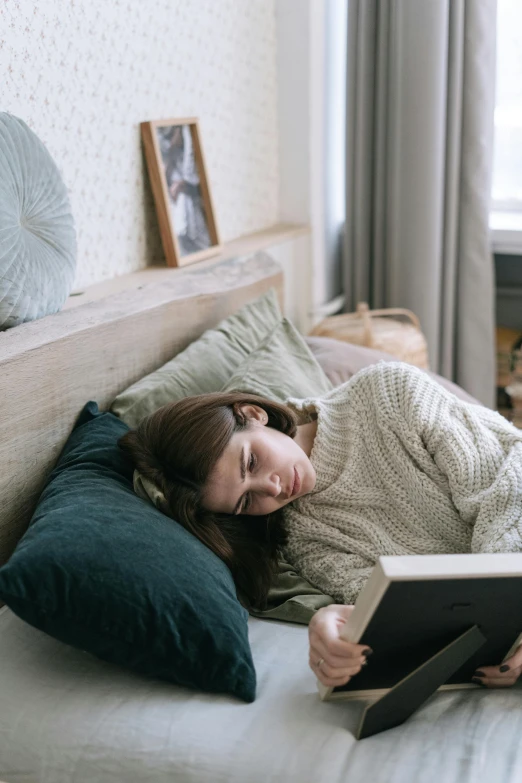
(66,717)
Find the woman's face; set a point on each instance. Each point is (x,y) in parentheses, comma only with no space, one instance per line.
(260,471)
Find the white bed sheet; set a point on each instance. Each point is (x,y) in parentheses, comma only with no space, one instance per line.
(66,717)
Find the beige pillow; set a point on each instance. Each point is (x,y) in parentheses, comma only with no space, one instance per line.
(341,360)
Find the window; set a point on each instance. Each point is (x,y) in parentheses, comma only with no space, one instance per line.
(506,218)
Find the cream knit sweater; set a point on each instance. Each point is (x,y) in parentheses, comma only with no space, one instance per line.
(403,467)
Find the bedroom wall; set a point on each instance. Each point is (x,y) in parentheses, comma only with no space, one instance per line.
(84,73)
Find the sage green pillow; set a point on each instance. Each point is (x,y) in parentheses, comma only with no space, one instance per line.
(206,365)
(282,366)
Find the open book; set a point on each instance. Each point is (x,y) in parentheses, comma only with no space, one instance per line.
(431,621)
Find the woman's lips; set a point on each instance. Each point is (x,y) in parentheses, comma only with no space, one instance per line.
(297,483)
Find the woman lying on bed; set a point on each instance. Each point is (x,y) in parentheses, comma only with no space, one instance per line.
(389,463)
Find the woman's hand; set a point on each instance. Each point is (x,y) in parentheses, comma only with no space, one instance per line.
(332,660)
(500,676)
(335,661)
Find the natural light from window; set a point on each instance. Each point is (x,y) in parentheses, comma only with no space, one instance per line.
(507,162)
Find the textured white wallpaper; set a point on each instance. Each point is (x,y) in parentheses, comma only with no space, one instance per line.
(84,73)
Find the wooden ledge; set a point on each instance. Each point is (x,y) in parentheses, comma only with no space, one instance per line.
(242,246)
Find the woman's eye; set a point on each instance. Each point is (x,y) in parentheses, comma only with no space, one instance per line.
(251,463)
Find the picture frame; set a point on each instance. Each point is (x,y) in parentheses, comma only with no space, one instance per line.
(430,621)
(178,176)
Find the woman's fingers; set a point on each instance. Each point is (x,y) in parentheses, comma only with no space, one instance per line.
(333,670)
(501,681)
(330,682)
(333,667)
(515,661)
(343,669)
(502,676)
(354,652)
(336,647)
(333,660)
(327,635)
(332,677)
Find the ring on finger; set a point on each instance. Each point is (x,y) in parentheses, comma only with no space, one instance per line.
(320,663)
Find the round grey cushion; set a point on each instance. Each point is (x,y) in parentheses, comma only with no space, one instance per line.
(37,236)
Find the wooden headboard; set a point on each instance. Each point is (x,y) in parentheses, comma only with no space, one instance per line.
(51,367)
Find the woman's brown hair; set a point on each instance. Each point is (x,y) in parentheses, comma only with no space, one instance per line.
(177,447)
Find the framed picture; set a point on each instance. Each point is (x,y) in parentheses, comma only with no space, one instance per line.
(181,192)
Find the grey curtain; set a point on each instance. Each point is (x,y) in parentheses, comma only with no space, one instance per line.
(420,102)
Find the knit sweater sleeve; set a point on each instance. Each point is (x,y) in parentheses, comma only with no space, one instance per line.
(331,570)
(454,467)
(476,449)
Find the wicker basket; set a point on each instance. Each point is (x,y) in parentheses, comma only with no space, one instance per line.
(508,355)
(379,329)
(509,374)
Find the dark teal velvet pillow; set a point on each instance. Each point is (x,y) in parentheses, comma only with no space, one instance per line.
(105,571)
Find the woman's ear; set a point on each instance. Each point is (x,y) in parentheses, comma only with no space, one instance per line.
(254,413)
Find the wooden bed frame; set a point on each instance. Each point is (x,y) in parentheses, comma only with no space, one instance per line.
(51,367)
